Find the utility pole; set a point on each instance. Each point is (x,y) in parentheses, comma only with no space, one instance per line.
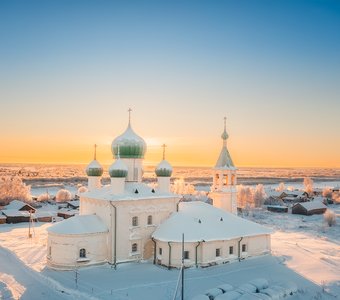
(76,276)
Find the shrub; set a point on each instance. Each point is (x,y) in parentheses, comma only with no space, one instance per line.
(82,189)
(63,196)
(330,217)
(44,197)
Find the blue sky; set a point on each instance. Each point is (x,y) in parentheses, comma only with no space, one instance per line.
(273,67)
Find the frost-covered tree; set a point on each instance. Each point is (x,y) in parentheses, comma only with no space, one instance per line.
(281,187)
(63,196)
(82,189)
(182,188)
(336,197)
(12,188)
(308,183)
(44,197)
(327,193)
(330,217)
(259,195)
(245,196)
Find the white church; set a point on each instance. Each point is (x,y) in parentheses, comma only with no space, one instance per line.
(128,220)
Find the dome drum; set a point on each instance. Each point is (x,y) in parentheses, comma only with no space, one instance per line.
(118,173)
(128,150)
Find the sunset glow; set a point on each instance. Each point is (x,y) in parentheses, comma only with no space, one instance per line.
(67,82)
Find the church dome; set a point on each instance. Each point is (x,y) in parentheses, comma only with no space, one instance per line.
(130,145)
(164,169)
(94,168)
(118,169)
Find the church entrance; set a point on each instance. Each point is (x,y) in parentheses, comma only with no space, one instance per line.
(148,250)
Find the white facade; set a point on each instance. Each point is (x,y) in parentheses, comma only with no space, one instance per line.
(211,237)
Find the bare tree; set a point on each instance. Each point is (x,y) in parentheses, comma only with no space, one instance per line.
(181,187)
(12,188)
(245,196)
(327,193)
(259,195)
(281,187)
(308,183)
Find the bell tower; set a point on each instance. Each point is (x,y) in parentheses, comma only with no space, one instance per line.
(223,190)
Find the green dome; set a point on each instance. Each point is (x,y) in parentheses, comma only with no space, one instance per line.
(94,169)
(130,145)
(163,169)
(118,169)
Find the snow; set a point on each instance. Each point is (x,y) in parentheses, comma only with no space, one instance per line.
(200,221)
(305,259)
(94,164)
(164,164)
(119,165)
(83,224)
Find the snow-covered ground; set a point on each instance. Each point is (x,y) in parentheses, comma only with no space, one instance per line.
(305,251)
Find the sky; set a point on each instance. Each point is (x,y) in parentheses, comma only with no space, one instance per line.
(69,71)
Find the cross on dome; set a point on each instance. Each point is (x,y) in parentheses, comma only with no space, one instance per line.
(95,151)
(129,111)
(164,146)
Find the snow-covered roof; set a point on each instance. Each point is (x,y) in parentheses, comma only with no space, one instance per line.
(16,213)
(200,221)
(312,205)
(224,160)
(74,203)
(144,192)
(16,204)
(83,224)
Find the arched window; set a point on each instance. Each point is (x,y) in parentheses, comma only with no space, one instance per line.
(82,253)
(134,247)
(135,221)
(150,220)
(225,179)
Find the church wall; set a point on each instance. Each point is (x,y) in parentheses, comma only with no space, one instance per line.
(206,251)
(63,251)
(226,200)
(128,234)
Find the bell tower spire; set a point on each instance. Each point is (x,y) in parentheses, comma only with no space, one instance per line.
(223,190)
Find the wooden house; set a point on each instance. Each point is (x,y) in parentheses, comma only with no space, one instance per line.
(309,208)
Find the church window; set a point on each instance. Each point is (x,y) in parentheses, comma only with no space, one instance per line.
(134,247)
(244,248)
(82,253)
(231,250)
(149,220)
(186,255)
(135,221)
(225,179)
(218,252)
(49,250)
(232,179)
(160,251)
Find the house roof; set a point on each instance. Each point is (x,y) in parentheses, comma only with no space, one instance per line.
(16,204)
(16,213)
(312,205)
(200,221)
(84,224)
